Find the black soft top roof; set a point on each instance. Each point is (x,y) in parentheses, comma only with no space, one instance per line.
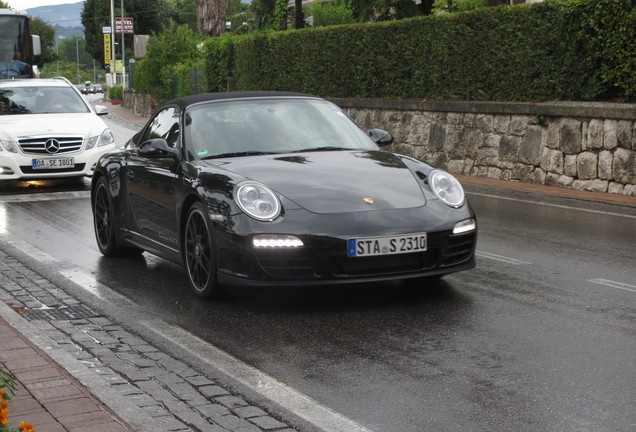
(186,101)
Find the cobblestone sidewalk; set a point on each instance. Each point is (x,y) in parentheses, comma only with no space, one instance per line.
(146,388)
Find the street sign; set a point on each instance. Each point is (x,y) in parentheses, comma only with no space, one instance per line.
(107,48)
(107,29)
(124,25)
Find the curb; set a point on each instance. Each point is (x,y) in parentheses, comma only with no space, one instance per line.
(131,415)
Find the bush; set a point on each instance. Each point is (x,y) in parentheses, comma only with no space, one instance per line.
(116,92)
(521,53)
(218,54)
(559,49)
(606,31)
(7,389)
(330,13)
(155,72)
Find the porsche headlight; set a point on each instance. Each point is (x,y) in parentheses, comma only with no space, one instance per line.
(257,201)
(447,188)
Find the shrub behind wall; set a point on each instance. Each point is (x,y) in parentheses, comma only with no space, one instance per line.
(565,49)
(520,53)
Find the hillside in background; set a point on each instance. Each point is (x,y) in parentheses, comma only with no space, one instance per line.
(65,18)
(64,15)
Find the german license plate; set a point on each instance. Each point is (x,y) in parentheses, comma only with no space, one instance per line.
(371,246)
(53,163)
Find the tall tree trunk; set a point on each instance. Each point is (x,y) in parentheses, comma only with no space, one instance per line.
(299,16)
(211,16)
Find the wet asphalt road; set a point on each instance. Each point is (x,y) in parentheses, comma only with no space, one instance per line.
(541,336)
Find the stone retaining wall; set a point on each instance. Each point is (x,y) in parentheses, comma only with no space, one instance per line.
(586,146)
(139,103)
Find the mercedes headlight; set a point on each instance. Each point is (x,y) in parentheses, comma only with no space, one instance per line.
(104,139)
(257,201)
(447,188)
(8,146)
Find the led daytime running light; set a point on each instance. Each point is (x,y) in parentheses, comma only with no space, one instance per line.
(464,226)
(276,241)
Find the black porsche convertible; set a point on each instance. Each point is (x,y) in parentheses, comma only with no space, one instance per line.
(273,188)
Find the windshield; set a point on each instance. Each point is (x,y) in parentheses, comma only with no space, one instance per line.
(40,100)
(248,127)
(15,50)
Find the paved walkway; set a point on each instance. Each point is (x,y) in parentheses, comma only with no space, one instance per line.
(122,113)
(46,395)
(78,371)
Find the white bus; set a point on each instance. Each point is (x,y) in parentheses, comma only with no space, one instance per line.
(18,47)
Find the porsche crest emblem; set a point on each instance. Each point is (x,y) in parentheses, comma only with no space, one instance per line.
(368,200)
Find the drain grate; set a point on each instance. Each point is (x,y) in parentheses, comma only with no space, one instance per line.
(60,313)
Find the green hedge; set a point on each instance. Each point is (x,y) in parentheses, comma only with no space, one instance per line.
(565,49)
(116,92)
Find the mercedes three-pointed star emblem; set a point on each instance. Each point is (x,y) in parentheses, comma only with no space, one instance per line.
(52,145)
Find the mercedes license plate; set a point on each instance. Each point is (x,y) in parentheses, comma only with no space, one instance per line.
(362,247)
(53,163)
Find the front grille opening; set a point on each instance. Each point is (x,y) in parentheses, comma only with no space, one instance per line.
(386,264)
(458,249)
(287,263)
(29,169)
(38,146)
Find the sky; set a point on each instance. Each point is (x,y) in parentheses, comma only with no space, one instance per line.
(28,4)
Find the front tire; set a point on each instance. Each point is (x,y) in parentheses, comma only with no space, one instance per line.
(104,224)
(199,253)
(103,220)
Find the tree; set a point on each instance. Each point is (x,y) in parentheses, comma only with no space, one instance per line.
(47,39)
(176,45)
(69,49)
(211,16)
(264,12)
(329,13)
(66,69)
(299,17)
(96,15)
(462,5)
(383,10)
(182,12)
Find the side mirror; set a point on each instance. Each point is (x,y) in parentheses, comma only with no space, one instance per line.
(101,110)
(381,137)
(36,44)
(156,148)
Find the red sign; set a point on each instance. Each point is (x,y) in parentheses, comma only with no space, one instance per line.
(124,25)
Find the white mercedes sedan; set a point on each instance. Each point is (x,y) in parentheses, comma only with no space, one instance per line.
(48,130)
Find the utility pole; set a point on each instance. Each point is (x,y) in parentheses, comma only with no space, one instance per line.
(77,56)
(112,38)
(123,48)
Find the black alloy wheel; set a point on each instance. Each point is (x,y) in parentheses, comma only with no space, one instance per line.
(103,220)
(199,252)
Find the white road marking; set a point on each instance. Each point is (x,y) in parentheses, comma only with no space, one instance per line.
(553,205)
(33,252)
(50,196)
(308,409)
(92,285)
(613,284)
(500,258)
